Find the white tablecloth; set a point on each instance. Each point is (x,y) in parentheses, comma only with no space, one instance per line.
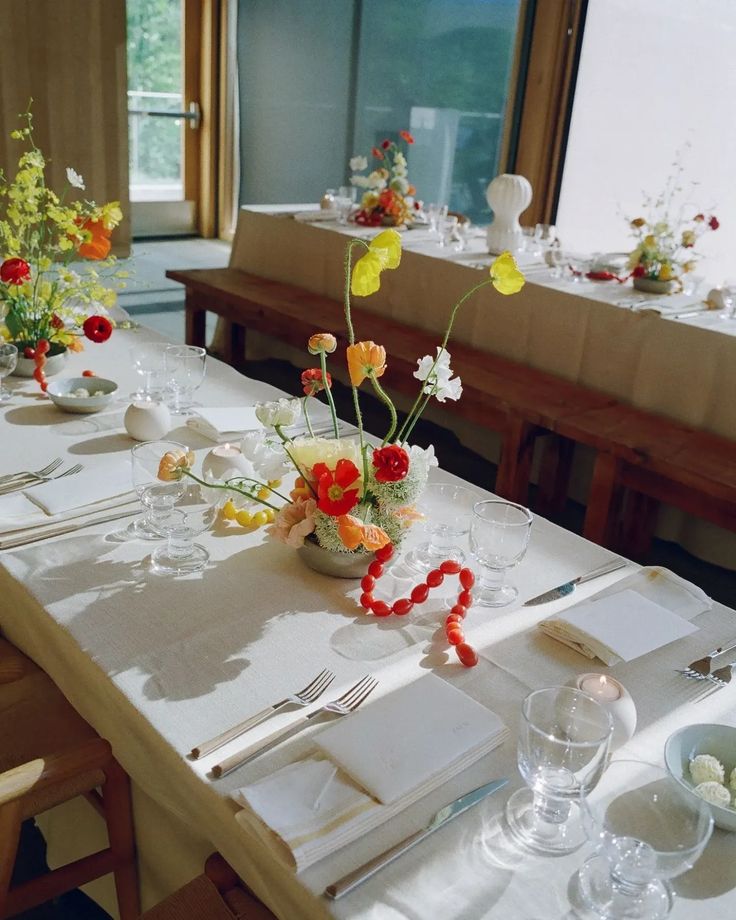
(158,664)
(683,369)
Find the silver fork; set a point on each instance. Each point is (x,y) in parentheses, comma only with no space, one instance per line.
(342,706)
(701,667)
(20,484)
(722,676)
(303,697)
(39,474)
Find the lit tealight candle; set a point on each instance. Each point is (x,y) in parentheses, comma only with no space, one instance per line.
(601,687)
(225,461)
(614,697)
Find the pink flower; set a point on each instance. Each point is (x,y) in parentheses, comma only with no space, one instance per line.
(294,522)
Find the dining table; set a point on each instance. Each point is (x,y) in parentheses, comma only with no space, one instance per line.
(157,664)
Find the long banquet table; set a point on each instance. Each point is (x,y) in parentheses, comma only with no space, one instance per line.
(159,664)
(587,333)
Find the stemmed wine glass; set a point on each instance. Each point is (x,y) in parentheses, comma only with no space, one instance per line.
(194,511)
(148,360)
(447,508)
(499,536)
(185,369)
(648,830)
(564,738)
(8,361)
(728,292)
(157,497)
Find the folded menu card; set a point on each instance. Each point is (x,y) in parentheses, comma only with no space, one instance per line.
(313,807)
(643,612)
(224,425)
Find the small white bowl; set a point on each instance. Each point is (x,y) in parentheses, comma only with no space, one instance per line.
(688,742)
(59,393)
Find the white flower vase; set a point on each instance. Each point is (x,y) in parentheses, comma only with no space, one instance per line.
(330,562)
(508,195)
(54,365)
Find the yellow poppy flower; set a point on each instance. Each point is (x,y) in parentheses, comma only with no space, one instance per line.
(505,275)
(384,251)
(365,359)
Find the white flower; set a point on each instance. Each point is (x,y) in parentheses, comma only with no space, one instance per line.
(73,178)
(358,163)
(439,380)
(399,159)
(376,180)
(452,389)
(268,457)
(308,451)
(399,184)
(400,170)
(282,412)
(360,181)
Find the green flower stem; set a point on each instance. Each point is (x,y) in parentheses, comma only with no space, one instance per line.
(306,415)
(386,400)
(284,437)
(423,406)
(415,412)
(328,392)
(263,485)
(285,440)
(351,340)
(217,485)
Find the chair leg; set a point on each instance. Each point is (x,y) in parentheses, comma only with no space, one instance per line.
(637,527)
(554,474)
(517,451)
(119,816)
(604,501)
(10,821)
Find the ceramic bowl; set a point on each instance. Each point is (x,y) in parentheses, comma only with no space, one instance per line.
(688,742)
(59,393)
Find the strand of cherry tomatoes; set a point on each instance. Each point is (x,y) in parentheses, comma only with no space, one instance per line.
(419,594)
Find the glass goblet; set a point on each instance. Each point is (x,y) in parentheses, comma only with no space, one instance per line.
(499,536)
(446,508)
(648,829)
(435,213)
(185,369)
(8,361)
(728,293)
(194,511)
(564,738)
(148,359)
(445,229)
(157,497)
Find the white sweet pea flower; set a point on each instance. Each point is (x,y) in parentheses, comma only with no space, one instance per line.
(268,457)
(399,184)
(439,381)
(74,179)
(377,180)
(360,181)
(357,163)
(452,389)
(282,412)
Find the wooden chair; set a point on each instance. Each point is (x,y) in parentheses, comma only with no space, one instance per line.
(49,755)
(217,895)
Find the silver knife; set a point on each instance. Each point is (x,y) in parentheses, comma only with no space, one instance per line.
(443,816)
(569,586)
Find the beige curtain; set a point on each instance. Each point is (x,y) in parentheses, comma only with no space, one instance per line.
(69,57)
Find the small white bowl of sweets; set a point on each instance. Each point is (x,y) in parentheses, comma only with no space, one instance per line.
(702,758)
(82,394)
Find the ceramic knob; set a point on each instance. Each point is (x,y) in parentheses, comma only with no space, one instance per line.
(147,420)
(508,196)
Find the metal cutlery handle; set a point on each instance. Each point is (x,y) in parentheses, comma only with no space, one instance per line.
(245,754)
(722,651)
(602,570)
(207,747)
(359,875)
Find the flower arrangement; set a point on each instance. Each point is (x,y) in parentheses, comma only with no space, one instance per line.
(388,195)
(45,306)
(349,496)
(665,248)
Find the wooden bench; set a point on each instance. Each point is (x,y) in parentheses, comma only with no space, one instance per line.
(641,458)
(517,402)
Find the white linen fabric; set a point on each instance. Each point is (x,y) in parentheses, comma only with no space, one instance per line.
(223,425)
(100,483)
(156,664)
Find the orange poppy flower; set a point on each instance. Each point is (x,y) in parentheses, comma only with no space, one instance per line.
(365,359)
(353,532)
(98,245)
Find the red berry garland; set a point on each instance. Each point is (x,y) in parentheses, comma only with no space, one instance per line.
(453,623)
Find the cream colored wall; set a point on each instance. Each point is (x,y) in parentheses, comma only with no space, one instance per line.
(69,56)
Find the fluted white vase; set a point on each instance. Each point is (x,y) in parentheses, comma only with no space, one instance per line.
(508,195)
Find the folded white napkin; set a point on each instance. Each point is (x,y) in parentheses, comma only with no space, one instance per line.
(643,612)
(224,425)
(675,303)
(312,808)
(21,533)
(106,480)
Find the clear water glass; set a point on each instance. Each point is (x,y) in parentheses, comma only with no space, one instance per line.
(446,508)
(574,266)
(194,511)
(499,537)
(157,497)
(434,213)
(149,362)
(647,829)
(343,204)
(728,292)
(461,234)
(545,235)
(8,362)
(446,226)
(185,369)
(564,740)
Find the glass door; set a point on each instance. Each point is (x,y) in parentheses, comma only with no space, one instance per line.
(159,118)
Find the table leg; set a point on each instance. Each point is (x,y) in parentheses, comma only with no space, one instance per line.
(604,501)
(554,474)
(637,527)
(514,468)
(196,321)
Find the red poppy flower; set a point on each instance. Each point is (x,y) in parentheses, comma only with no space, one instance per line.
(15,271)
(312,381)
(97,328)
(405,136)
(334,496)
(391,463)
(713,223)
(377,152)
(56,321)
(639,272)
(386,144)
